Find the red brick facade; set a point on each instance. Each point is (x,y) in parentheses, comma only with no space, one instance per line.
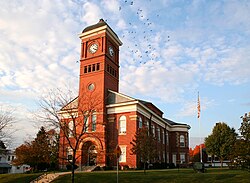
(118,116)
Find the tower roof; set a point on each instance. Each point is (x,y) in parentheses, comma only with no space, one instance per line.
(99,24)
(97,28)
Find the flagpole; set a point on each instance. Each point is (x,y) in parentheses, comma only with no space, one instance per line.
(199,121)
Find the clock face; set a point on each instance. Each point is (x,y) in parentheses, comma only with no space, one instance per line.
(93,48)
(111,51)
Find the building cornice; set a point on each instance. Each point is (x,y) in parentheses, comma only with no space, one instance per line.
(100,30)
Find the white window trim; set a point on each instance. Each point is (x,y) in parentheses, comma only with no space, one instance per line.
(123,157)
(122,129)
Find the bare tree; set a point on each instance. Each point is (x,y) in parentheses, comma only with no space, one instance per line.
(6,121)
(70,115)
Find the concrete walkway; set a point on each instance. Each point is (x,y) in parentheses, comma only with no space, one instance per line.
(46,178)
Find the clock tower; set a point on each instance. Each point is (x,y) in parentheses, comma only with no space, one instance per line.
(99,72)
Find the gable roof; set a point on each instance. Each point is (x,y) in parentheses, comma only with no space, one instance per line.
(119,98)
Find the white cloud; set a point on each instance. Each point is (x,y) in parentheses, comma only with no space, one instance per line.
(92,13)
(232,68)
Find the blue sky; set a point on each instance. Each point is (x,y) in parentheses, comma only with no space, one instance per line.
(171,50)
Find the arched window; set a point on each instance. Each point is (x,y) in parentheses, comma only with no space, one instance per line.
(182,141)
(122,124)
(93,122)
(140,122)
(71,128)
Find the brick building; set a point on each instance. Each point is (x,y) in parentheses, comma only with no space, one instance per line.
(118,116)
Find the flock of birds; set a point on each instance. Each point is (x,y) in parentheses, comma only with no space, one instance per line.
(142,30)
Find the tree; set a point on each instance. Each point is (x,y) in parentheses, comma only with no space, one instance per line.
(221,142)
(60,110)
(195,153)
(36,153)
(6,122)
(144,146)
(2,145)
(243,144)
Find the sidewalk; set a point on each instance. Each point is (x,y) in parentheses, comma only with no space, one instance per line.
(46,178)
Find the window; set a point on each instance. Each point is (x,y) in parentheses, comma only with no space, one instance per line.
(69,154)
(85,69)
(93,67)
(108,68)
(123,154)
(71,129)
(93,122)
(159,134)
(182,141)
(89,68)
(182,157)
(167,138)
(147,124)
(122,124)
(98,67)
(86,123)
(140,122)
(153,130)
(163,137)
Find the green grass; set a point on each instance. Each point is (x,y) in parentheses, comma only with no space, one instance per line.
(183,176)
(18,178)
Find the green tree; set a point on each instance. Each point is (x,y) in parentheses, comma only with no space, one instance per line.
(243,145)
(245,127)
(37,153)
(144,146)
(221,142)
(41,149)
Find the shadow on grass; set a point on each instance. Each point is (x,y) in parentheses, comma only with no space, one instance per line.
(160,176)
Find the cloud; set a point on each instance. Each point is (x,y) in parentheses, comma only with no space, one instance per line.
(167,84)
(189,107)
(232,68)
(91,13)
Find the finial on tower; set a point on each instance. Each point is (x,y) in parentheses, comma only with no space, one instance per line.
(101,20)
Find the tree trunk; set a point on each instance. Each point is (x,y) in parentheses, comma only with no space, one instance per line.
(73,168)
(221,163)
(73,173)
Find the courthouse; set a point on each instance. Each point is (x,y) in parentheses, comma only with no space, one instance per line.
(118,116)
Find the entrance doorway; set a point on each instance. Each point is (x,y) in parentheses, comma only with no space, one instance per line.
(92,154)
(89,154)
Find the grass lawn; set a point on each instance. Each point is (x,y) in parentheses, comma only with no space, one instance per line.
(159,176)
(18,178)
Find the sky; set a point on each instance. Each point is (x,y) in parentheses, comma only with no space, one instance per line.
(172,49)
